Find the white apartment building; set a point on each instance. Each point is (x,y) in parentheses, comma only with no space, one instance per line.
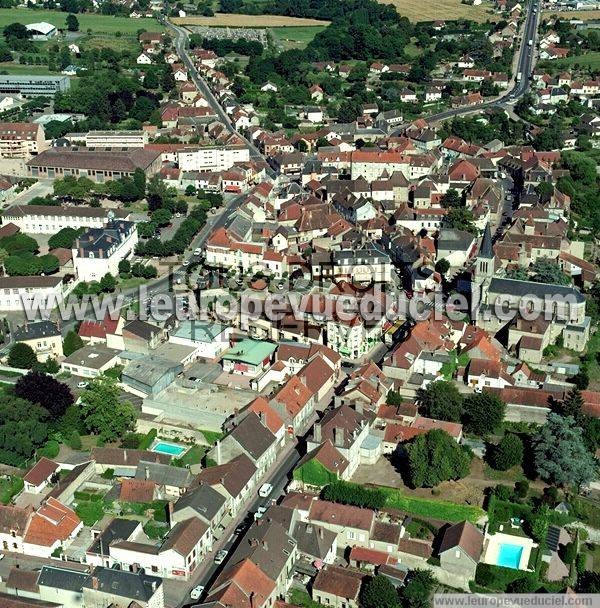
(213,158)
(98,251)
(49,219)
(18,292)
(21,139)
(116,139)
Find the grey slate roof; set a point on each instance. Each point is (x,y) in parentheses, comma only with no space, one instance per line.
(254,438)
(118,529)
(204,499)
(164,474)
(486,251)
(541,290)
(62,578)
(130,585)
(34,331)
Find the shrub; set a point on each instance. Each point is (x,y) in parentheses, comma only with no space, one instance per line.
(49,450)
(496,578)
(147,439)
(353,494)
(508,453)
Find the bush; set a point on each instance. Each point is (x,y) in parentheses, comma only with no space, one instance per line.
(521,489)
(73,440)
(49,450)
(147,439)
(353,494)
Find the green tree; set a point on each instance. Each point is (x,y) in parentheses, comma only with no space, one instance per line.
(435,457)
(379,592)
(589,582)
(21,355)
(483,413)
(560,454)
(548,271)
(72,23)
(417,591)
(53,395)
(72,343)
(442,266)
(103,412)
(573,405)
(124,267)
(65,237)
(23,429)
(451,199)
(108,283)
(460,218)
(508,453)
(441,400)
(162,217)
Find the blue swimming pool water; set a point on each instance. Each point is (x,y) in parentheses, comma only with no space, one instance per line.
(163,447)
(509,556)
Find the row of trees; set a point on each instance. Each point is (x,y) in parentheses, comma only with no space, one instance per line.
(480,413)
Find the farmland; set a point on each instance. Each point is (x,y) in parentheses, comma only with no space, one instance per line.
(98,24)
(430,10)
(257,21)
(590,60)
(572,15)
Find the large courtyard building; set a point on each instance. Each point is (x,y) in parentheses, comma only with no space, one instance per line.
(98,165)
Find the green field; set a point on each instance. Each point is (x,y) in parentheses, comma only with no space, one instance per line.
(295,37)
(15,68)
(590,60)
(99,24)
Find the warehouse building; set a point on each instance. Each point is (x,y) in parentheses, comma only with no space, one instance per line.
(33,86)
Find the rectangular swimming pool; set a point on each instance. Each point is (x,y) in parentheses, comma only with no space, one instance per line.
(509,556)
(172,449)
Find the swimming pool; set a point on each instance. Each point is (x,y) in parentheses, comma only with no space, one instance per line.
(509,556)
(172,449)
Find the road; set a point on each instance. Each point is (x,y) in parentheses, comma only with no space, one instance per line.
(181,46)
(278,479)
(524,66)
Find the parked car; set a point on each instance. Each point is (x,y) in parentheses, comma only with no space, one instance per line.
(220,556)
(196,592)
(265,490)
(83,384)
(260,512)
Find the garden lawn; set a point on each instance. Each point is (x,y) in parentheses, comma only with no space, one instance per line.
(302,599)
(295,37)
(9,488)
(587,511)
(212,436)
(590,59)
(15,68)
(193,456)
(426,507)
(90,511)
(99,24)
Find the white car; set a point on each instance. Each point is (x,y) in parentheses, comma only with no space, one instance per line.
(197,251)
(196,592)
(265,490)
(185,263)
(83,384)
(260,512)
(220,557)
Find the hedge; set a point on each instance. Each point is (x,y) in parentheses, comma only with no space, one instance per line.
(147,440)
(354,494)
(496,578)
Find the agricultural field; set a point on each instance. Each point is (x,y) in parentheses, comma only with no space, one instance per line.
(295,37)
(590,60)
(257,21)
(98,24)
(572,15)
(449,10)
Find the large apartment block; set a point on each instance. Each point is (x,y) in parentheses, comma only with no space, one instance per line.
(98,165)
(21,139)
(49,219)
(110,139)
(33,86)
(17,292)
(213,158)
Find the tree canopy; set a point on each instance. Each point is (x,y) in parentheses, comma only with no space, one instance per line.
(379,592)
(53,395)
(21,355)
(508,453)
(103,412)
(483,413)
(71,343)
(435,457)
(560,454)
(441,400)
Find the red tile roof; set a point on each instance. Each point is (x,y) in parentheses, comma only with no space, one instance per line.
(41,471)
(370,556)
(52,522)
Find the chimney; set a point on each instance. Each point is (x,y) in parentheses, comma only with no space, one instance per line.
(265,545)
(218,453)
(317,432)
(134,567)
(359,407)
(338,436)
(262,418)
(124,455)
(95,583)
(320,532)
(252,599)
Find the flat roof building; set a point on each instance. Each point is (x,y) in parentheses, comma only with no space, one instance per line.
(32,86)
